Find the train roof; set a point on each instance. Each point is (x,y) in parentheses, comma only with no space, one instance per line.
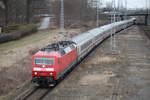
(47,54)
(89,34)
(55,49)
(57,46)
(81,38)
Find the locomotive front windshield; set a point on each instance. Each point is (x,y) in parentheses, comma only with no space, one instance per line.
(44,61)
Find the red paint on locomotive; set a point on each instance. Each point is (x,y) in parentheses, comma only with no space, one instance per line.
(51,64)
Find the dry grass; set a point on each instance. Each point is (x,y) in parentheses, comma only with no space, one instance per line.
(15,75)
(96,79)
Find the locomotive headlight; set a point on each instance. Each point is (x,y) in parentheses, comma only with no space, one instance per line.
(43,66)
(51,73)
(35,73)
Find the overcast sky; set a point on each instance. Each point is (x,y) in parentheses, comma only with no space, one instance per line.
(134,3)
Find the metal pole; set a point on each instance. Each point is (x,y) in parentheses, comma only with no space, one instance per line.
(114,29)
(62,17)
(97,7)
(125,9)
(146,5)
(0,30)
(113,20)
(149,13)
(120,7)
(111,41)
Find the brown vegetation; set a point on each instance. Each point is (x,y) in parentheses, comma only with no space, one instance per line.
(15,75)
(75,11)
(15,32)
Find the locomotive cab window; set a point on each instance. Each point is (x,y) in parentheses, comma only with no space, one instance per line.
(44,61)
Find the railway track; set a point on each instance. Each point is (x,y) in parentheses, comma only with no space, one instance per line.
(34,93)
(26,93)
(39,94)
(146,30)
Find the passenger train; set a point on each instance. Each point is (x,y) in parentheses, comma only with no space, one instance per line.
(52,62)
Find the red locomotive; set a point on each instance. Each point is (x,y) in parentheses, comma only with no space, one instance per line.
(51,62)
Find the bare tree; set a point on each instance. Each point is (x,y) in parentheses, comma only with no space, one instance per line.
(75,11)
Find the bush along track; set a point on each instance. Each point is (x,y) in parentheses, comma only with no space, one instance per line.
(16,32)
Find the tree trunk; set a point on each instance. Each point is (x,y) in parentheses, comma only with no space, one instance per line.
(6,11)
(28,11)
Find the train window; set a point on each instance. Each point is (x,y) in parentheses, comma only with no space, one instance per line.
(44,61)
(67,50)
(62,52)
(98,36)
(72,46)
(85,45)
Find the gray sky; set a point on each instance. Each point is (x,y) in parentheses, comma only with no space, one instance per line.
(134,3)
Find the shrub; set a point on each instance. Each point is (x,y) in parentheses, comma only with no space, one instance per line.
(17,31)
